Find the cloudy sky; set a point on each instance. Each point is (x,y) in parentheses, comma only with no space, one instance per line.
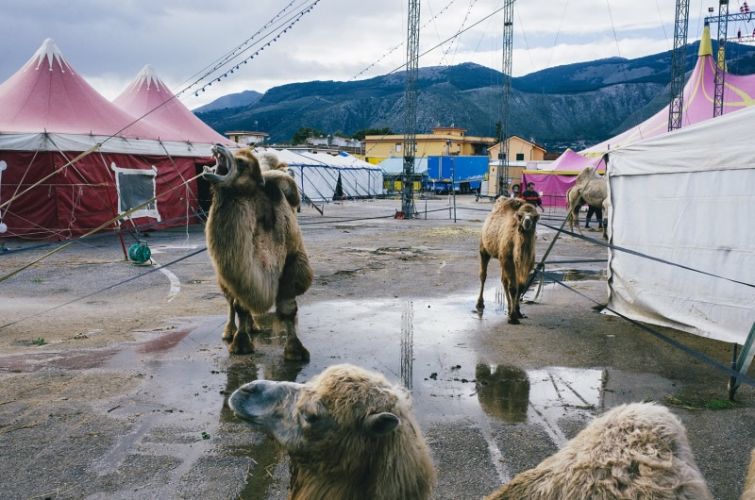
(108,42)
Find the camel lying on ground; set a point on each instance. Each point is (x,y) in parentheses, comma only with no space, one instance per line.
(350,434)
(589,188)
(256,246)
(749,490)
(508,235)
(638,450)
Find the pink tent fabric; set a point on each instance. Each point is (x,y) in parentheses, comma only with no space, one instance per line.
(49,114)
(176,123)
(739,92)
(555,181)
(47,95)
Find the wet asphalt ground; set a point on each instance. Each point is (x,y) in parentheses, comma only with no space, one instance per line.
(146,418)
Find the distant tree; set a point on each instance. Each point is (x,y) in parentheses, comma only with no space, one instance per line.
(301,135)
(359,135)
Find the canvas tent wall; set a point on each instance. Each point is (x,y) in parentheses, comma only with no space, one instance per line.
(686,197)
(317,174)
(50,116)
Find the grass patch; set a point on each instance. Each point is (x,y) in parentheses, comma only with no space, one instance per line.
(697,403)
(39,341)
(719,404)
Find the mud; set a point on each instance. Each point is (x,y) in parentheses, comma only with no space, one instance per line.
(127,397)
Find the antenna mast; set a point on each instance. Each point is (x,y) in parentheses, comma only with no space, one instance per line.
(410,108)
(678,60)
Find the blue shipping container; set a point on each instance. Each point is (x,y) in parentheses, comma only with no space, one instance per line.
(463,168)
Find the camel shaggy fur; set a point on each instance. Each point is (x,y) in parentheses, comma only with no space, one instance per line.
(256,246)
(350,434)
(589,188)
(749,491)
(508,234)
(633,451)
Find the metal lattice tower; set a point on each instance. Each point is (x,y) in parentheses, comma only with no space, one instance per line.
(720,75)
(410,108)
(678,59)
(508,48)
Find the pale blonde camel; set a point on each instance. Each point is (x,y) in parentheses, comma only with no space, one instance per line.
(589,188)
(633,451)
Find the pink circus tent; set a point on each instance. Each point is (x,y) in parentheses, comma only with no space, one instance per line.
(176,123)
(47,94)
(739,92)
(555,180)
(698,106)
(51,115)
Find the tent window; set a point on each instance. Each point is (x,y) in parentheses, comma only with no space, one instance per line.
(520,157)
(135,187)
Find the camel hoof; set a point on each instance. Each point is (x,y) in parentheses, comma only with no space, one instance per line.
(241,344)
(295,351)
(522,316)
(229,333)
(480,305)
(513,321)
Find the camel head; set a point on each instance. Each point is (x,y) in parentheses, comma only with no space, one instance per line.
(241,172)
(345,410)
(526,218)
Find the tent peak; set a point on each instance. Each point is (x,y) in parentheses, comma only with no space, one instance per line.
(706,48)
(50,51)
(148,76)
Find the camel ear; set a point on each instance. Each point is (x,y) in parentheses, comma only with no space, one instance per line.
(516,203)
(381,424)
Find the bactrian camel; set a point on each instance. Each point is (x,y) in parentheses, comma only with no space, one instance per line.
(589,188)
(508,235)
(256,246)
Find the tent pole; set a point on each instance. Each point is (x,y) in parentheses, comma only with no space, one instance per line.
(123,243)
(742,362)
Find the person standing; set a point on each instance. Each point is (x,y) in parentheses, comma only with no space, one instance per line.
(598,215)
(515,191)
(532,196)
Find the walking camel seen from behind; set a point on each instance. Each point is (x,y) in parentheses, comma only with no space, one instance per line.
(589,188)
(508,235)
(256,246)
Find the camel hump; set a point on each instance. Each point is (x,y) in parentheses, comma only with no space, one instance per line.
(585,175)
(286,183)
(270,161)
(512,204)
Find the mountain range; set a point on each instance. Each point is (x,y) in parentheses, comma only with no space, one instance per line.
(574,105)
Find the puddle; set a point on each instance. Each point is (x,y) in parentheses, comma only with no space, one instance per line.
(429,345)
(575,274)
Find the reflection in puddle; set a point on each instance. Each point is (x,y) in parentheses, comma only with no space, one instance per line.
(544,396)
(575,274)
(503,392)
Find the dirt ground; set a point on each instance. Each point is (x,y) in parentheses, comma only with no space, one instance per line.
(119,391)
